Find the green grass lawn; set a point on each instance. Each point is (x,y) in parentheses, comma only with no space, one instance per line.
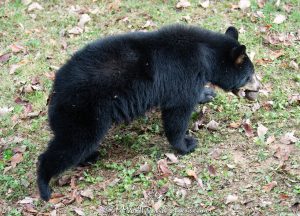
(240,174)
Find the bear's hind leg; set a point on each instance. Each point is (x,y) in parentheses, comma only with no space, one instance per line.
(61,154)
(175,124)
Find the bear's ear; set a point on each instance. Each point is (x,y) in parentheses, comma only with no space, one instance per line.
(238,54)
(232,32)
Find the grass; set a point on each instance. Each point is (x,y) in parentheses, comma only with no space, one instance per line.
(244,166)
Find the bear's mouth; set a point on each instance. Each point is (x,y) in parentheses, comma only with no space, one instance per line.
(248,94)
(250,89)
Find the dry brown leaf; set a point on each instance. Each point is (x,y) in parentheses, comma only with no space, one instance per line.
(115,5)
(79,211)
(17,158)
(234,125)
(294,98)
(163,167)
(212,170)
(270,186)
(193,174)
(204,4)
(270,139)
(294,65)
(15,48)
(183,182)
(149,23)
(288,138)
(261,3)
(213,125)
(5,57)
(26,200)
(172,157)
(84,18)
(34,6)
(276,54)
(157,205)
(87,193)
(183,4)
(248,128)
(29,208)
(5,110)
(244,4)
(76,30)
(164,189)
(282,153)
(261,131)
(279,18)
(145,168)
(231,198)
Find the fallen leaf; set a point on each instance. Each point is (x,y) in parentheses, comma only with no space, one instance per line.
(26,2)
(163,167)
(193,174)
(15,159)
(15,48)
(213,125)
(279,18)
(248,129)
(216,153)
(276,54)
(115,5)
(164,189)
(26,200)
(231,198)
(282,153)
(87,193)
(79,211)
(205,4)
(211,170)
(234,125)
(5,110)
(270,139)
(50,75)
(149,23)
(288,138)
(261,131)
(261,3)
(182,182)
(4,58)
(157,205)
(145,168)
(76,30)
(84,18)
(244,4)
(284,196)
(255,107)
(53,213)
(13,68)
(172,157)
(34,6)
(270,186)
(29,208)
(183,4)
(294,98)
(294,65)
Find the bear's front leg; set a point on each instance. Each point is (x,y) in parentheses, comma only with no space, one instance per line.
(207,95)
(175,124)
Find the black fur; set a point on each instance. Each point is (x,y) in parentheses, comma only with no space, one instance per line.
(118,78)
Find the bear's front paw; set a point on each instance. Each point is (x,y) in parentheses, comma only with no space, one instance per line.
(207,95)
(188,145)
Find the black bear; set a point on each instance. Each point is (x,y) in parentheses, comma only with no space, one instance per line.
(118,78)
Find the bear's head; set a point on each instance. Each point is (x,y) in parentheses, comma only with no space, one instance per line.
(236,71)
